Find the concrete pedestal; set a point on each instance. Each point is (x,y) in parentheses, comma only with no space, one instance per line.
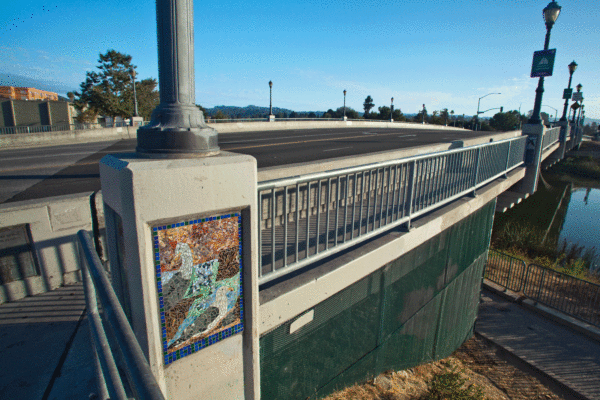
(533,157)
(137,121)
(271,118)
(182,241)
(565,130)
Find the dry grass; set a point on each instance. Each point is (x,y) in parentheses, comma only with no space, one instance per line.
(479,364)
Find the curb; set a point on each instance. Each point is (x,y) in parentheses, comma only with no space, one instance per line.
(554,315)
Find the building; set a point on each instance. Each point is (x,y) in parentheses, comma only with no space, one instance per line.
(17,113)
(26,93)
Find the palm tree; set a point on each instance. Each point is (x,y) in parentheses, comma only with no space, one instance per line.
(452,114)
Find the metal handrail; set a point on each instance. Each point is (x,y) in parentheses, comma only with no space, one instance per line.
(550,137)
(98,288)
(397,192)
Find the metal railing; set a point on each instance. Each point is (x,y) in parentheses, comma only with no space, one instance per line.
(11,130)
(98,288)
(306,218)
(563,292)
(505,270)
(550,137)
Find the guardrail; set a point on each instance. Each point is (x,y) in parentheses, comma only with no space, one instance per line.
(550,137)
(306,218)
(98,288)
(565,293)
(11,130)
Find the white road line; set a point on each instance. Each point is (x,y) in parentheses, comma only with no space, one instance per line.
(280,138)
(406,135)
(341,148)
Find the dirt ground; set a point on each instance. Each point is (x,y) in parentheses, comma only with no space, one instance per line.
(479,362)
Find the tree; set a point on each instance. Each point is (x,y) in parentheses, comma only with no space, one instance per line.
(444,115)
(384,113)
(147,98)
(368,105)
(398,116)
(109,91)
(452,116)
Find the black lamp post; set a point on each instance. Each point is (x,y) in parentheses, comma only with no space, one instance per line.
(344,104)
(578,87)
(424,114)
(392,111)
(270,98)
(550,16)
(572,68)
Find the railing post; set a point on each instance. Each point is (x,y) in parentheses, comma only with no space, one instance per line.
(474,193)
(507,160)
(411,193)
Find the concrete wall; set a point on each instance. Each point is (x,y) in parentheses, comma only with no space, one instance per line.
(41,139)
(6,114)
(34,113)
(52,223)
(30,113)
(96,135)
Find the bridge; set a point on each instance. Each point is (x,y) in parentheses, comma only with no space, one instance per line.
(388,245)
(222,280)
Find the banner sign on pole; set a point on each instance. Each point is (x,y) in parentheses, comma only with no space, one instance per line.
(543,63)
(567,93)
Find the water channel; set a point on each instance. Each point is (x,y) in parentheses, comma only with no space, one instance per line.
(560,211)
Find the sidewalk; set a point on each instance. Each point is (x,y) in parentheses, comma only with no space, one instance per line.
(45,347)
(566,357)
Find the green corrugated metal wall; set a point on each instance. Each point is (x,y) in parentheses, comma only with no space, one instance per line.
(418,308)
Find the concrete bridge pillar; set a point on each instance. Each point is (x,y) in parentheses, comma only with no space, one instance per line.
(564,135)
(182,231)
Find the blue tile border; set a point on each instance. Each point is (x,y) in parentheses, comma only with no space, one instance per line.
(170,357)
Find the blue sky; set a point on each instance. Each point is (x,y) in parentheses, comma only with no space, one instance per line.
(445,54)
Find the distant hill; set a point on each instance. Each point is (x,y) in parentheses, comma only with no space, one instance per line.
(255,111)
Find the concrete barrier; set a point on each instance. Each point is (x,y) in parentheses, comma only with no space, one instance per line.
(41,139)
(38,244)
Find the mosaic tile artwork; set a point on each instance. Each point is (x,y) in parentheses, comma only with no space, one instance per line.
(199,281)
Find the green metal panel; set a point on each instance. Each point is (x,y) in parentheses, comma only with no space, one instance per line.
(416,309)
(343,330)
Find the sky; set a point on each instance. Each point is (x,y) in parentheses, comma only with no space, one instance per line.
(444,54)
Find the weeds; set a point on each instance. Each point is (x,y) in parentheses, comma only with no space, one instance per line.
(451,385)
(527,243)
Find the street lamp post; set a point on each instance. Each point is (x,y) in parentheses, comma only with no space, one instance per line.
(135,103)
(478,103)
(551,13)
(423,114)
(270,98)
(555,112)
(392,111)
(345,104)
(578,87)
(572,68)
(177,125)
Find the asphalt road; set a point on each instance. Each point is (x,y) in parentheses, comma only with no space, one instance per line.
(52,171)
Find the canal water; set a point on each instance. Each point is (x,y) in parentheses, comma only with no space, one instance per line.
(560,212)
(581,225)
